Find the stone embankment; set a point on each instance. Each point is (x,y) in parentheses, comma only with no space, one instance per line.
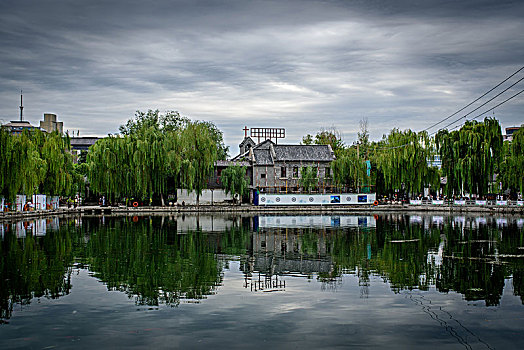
(121,210)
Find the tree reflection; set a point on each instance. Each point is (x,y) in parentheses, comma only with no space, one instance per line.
(152,264)
(158,260)
(35,267)
(452,254)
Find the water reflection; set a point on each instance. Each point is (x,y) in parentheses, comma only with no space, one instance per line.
(171,259)
(316,221)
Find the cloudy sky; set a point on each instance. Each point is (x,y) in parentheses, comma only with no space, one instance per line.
(302,65)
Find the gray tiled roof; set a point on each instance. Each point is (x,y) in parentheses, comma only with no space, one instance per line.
(262,157)
(267,153)
(265,144)
(83,141)
(310,153)
(230,162)
(293,153)
(248,140)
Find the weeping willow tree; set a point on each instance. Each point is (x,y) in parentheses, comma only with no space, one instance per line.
(470,156)
(512,163)
(234,180)
(349,169)
(34,162)
(308,178)
(155,153)
(22,168)
(402,157)
(200,152)
(104,172)
(59,174)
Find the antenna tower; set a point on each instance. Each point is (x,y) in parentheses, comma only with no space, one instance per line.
(21,105)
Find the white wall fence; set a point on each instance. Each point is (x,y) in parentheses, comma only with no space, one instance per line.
(463,202)
(208,197)
(317,199)
(38,202)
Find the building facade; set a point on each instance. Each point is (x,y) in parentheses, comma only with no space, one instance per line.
(50,123)
(17,127)
(278,168)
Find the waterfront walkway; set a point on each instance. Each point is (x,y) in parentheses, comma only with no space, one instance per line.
(247,208)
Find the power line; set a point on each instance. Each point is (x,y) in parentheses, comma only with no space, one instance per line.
(477,108)
(469,104)
(481,114)
(475,117)
(485,103)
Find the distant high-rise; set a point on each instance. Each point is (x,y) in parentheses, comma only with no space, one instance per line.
(50,124)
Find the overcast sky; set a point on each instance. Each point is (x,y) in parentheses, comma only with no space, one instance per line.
(301,65)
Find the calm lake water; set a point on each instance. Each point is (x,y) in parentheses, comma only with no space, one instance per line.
(248,282)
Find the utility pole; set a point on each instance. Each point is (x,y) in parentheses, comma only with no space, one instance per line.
(358,161)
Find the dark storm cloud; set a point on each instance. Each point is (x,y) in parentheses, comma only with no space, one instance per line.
(302,65)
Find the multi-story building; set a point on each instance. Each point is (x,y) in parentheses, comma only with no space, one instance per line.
(16,127)
(278,168)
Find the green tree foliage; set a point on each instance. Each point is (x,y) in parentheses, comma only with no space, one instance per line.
(217,137)
(470,156)
(170,121)
(330,137)
(59,165)
(234,180)
(155,153)
(35,162)
(307,140)
(200,149)
(512,163)
(308,178)
(402,157)
(349,169)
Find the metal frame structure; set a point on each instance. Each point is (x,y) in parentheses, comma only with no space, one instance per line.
(268,133)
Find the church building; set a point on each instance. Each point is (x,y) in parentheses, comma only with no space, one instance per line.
(276,168)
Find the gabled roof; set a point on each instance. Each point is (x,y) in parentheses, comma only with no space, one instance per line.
(225,163)
(267,153)
(310,153)
(264,145)
(247,140)
(263,157)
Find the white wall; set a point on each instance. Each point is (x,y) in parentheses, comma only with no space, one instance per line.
(20,202)
(39,201)
(208,196)
(316,199)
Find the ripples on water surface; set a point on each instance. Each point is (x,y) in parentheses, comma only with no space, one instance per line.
(392,281)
